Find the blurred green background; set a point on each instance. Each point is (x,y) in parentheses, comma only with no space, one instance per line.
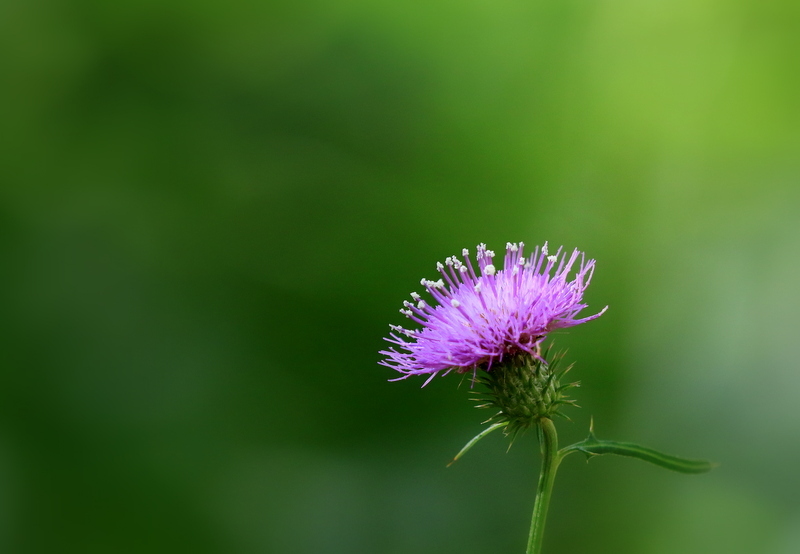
(210,213)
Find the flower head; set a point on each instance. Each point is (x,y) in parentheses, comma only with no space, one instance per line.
(480,318)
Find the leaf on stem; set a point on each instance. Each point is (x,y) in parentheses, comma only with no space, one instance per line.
(475,439)
(592,446)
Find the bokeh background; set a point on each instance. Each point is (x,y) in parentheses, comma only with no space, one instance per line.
(210,213)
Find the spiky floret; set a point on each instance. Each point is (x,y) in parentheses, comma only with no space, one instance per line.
(481,318)
(524,389)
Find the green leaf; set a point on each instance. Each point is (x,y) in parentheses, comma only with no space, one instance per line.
(475,439)
(592,446)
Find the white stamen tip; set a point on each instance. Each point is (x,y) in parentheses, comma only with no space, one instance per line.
(544,249)
(455,303)
(515,270)
(439,266)
(421,304)
(465,252)
(552,258)
(489,270)
(415,296)
(477,287)
(423,281)
(439,284)
(490,253)
(462,269)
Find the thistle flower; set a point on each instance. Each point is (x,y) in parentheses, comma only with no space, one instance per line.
(484,317)
(495,320)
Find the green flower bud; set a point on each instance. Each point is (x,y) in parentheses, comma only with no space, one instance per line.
(525,389)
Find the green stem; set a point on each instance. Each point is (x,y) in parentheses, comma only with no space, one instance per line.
(548,442)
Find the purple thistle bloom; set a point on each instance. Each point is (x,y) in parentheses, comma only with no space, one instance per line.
(482,317)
